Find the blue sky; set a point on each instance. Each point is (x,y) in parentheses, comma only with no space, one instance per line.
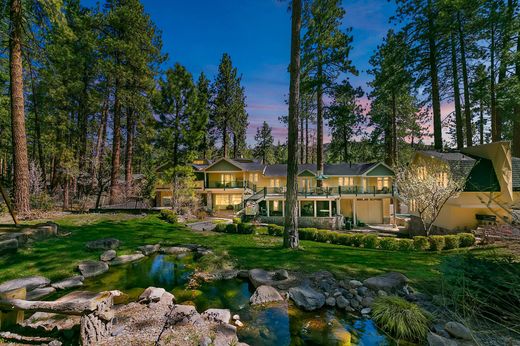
(256,33)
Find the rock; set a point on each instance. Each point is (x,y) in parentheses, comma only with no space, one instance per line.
(355,283)
(19,236)
(382,293)
(437,340)
(9,245)
(236,317)
(185,314)
(389,282)
(238,323)
(330,301)
(126,259)
(148,250)
(108,255)
(225,335)
(92,268)
(458,330)
(366,311)
(367,302)
(205,341)
(30,283)
(265,294)
(38,293)
(75,281)
(362,291)
(342,302)
(281,274)
(103,244)
(354,303)
(151,295)
(175,250)
(119,297)
(259,277)
(306,298)
(217,315)
(243,274)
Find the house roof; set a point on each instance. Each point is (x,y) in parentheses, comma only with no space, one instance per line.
(329,169)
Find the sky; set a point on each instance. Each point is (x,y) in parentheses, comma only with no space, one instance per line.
(256,33)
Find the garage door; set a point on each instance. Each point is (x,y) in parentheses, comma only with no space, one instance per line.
(370,211)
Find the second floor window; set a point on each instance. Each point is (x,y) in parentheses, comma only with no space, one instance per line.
(346,181)
(275,182)
(227,178)
(383,182)
(253,177)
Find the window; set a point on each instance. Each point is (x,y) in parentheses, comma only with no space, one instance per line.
(382,182)
(275,182)
(253,177)
(276,205)
(306,183)
(225,200)
(346,181)
(227,178)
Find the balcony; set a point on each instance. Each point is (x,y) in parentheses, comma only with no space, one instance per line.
(226,185)
(331,191)
(367,190)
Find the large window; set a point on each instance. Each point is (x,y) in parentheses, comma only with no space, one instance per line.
(383,183)
(222,201)
(275,182)
(346,181)
(253,177)
(227,178)
(307,208)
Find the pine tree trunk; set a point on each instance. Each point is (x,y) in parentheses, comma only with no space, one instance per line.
(495,134)
(481,123)
(516,115)
(116,147)
(20,159)
(100,141)
(130,128)
(394,131)
(291,239)
(66,194)
(456,95)
(224,141)
(319,121)
(235,146)
(307,139)
(434,79)
(465,82)
(302,144)
(37,126)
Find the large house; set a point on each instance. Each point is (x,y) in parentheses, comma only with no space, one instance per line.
(492,185)
(356,192)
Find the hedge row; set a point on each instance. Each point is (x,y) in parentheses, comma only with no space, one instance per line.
(368,241)
(372,241)
(169,215)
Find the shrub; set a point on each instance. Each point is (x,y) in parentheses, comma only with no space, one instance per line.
(324,236)
(237,220)
(451,242)
(388,243)
(220,227)
(406,245)
(421,243)
(275,230)
(466,239)
(356,240)
(344,239)
(245,228)
(400,318)
(308,233)
(260,230)
(370,241)
(231,228)
(169,215)
(436,242)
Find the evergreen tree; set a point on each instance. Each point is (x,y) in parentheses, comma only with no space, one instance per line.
(203,116)
(325,55)
(264,144)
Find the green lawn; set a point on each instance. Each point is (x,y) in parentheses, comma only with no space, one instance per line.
(57,258)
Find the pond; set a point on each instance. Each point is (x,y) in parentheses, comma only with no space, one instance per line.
(281,324)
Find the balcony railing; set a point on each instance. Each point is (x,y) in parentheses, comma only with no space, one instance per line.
(331,191)
(226,185)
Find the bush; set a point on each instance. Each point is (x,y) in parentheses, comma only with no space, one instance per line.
(437,242)
(370,241)
(308,233)
(421,243)
(169,215)
(357,240)
(231,228)
(275,230)
(406,245)
(344,239)
(388,243)
(237,220)
(451,242)
(220,227)
(400,318)
(245,228)
(466,239)
(324,236)
(260,230)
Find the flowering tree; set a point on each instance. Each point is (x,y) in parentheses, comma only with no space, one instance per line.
(427,186)
(183,184)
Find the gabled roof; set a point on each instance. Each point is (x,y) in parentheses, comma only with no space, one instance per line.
(329,169)
(241,164)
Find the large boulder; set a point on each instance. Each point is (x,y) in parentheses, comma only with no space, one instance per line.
(74,281)
(108,255)
(265,294)
(306,298)
(30,283)
(437,340)
(279,279)
(126,258)
(458,330)
(217,315)
(92,268)
(175,250)
(103,244)
(185,314)
(8,245)
(148,250)
(38,293)
(389,282)
(151,295)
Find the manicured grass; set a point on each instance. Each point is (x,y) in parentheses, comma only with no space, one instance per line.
(57,258)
